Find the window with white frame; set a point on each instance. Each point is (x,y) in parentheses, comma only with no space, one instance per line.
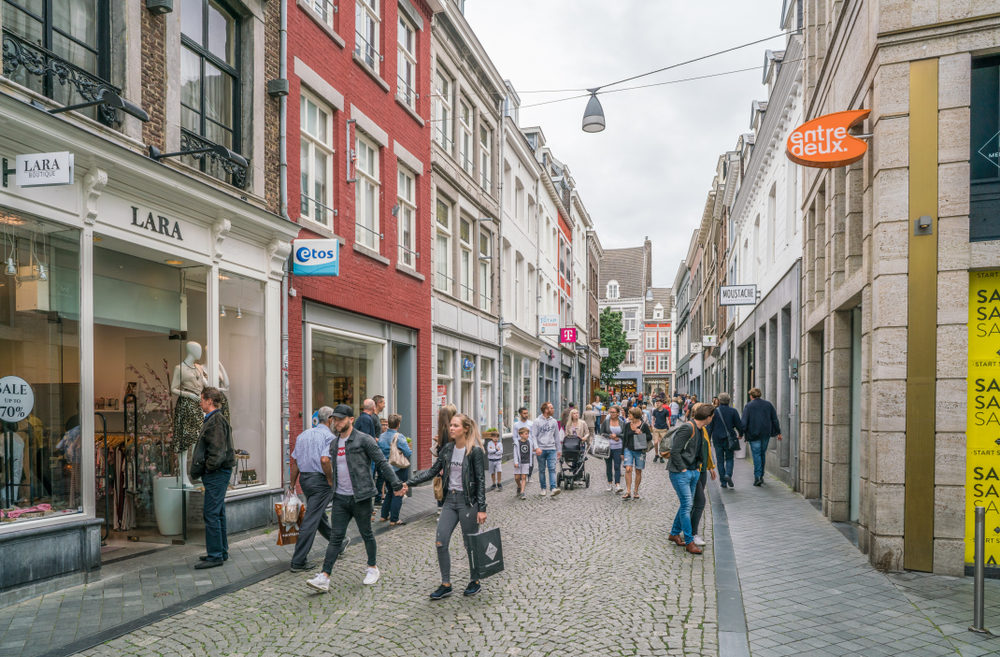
(612,291)
(442,105)
(325,9)
(445,373)
(465,143)
(366,198)
(630,354)
(316,165)
(442,247)
(465,260)
(664,363)
(665,340)
(366,29)
(485,157)
(650,341)
(628,320)
(658,311)
(406,62)
(650,363)
(406,198)
(486,270)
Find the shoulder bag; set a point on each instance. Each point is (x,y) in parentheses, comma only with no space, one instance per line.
(732,441)
(397,459)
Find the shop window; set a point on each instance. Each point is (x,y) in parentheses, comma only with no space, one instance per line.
(210,86)
(984,126)
(346,369)
(406,63)
(406,199)
(485,392)
(242,371)
(316,145)
(445,376)
(366,46)
(367,194)
(41,447)
(48,35)
(509,412)
(468,401)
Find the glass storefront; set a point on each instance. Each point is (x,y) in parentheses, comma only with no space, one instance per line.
(345,368)
(40,454)
(444,376)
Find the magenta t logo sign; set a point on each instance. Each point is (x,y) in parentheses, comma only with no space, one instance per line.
(567,335)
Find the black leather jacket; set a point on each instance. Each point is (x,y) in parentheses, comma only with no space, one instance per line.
(473,474)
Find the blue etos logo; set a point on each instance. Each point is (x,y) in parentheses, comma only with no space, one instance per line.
(316,258)
(304,254)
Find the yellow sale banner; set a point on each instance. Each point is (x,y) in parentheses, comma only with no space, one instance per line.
(982,440)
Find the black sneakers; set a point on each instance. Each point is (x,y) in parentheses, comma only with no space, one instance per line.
(441,592)
(473,588)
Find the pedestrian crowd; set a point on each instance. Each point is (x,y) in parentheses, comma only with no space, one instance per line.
(353,465)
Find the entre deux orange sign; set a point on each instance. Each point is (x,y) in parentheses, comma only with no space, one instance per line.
(824,141)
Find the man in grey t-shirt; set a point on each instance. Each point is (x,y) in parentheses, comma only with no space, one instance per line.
(547,437)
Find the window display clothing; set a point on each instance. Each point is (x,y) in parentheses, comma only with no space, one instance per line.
(13,457)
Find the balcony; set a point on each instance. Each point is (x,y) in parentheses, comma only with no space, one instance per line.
(44,72)
(211,160)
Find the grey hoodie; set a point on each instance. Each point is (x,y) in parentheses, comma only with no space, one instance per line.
(545,433)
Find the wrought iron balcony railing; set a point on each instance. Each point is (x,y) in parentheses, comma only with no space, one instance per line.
(212,160)
(22,55)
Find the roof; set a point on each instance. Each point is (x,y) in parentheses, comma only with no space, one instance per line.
(625,266)
(662,296)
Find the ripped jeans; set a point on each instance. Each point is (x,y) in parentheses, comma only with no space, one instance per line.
(453,512)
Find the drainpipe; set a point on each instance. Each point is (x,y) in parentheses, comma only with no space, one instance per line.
(498,373)
(283,196)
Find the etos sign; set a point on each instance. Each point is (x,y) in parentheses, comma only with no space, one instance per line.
(825,143)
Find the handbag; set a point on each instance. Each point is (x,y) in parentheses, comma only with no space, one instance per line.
(732,442)
(485,553)
(397,459)
(601,447)
(438,488)
(638,439)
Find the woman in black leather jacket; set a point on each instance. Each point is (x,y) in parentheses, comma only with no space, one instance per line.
(461,462)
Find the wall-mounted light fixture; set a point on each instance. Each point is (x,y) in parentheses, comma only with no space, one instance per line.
(160,6)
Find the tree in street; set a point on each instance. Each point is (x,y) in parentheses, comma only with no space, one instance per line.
(613,339)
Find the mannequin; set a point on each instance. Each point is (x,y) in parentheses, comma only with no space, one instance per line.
(187,383)
(12,447)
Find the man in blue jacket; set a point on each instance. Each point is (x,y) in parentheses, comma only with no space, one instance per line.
(726,425)
(760,422)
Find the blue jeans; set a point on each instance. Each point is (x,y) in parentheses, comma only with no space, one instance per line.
(214,513)
(614,463)
(547,460)
(391,503)
(684,484)
(724,460)
(758,447)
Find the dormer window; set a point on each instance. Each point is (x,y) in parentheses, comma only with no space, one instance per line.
(658,311)
(612,291)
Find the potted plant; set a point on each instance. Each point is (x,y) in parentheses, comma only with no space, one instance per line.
(491,432)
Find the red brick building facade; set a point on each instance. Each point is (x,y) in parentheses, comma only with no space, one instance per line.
(359,172)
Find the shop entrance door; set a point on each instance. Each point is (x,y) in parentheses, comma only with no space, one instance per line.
(149,341)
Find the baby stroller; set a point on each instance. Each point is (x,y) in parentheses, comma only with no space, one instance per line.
(571,464)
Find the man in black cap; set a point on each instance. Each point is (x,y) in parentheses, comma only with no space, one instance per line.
(348,470)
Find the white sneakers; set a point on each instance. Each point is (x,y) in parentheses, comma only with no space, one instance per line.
(609,488)
(556,491)
(321,582)
(698,540)
(544,492)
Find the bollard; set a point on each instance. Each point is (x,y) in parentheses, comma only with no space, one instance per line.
(979,574)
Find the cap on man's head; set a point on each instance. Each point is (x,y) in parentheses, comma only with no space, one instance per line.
(342,411)
(324,413)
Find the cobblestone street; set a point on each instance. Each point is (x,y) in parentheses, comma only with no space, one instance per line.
(586,574)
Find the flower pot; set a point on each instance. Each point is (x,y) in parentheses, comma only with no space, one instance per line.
(167,505)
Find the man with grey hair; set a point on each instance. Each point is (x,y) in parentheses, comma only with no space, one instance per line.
(724,432)
(306,468)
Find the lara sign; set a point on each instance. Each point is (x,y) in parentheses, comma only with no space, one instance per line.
(44,169)
(16,399)
(824,142)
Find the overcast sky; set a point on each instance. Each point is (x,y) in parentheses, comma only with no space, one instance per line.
(650,171)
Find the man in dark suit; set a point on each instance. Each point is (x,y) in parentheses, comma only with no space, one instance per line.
(760,422)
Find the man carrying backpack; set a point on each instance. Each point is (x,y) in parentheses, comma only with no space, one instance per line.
(760,422)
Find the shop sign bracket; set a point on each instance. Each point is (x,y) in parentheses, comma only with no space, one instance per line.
(7,173)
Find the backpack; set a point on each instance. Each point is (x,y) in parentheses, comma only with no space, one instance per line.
(524,452)
(663,448)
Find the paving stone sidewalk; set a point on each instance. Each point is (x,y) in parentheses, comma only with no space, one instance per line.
(807,590)
(587,575)
(133,592)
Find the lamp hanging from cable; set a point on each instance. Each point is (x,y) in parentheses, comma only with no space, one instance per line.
(593,116)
